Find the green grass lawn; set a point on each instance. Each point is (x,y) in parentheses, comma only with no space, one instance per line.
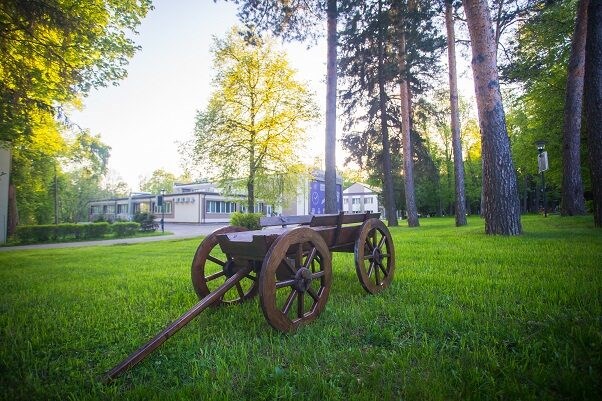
(468,317)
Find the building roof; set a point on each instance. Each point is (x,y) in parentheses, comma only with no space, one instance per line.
(358,188)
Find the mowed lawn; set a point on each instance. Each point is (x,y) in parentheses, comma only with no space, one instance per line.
(468,317)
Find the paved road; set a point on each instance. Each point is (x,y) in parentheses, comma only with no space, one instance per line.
(178,230)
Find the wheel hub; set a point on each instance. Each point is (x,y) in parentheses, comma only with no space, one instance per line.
(302,279)
(377,255)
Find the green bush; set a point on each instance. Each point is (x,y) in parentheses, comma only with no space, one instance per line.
(248,220)
(60,232)
(64,231)
(125,229)
(40,233)
(147,221)
(95,230)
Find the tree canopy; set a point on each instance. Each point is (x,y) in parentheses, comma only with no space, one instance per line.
(253,127)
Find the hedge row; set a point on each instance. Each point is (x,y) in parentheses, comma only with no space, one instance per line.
(63,232)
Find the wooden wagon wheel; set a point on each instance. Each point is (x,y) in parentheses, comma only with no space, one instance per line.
(295,279)
(374,256)
(211,268)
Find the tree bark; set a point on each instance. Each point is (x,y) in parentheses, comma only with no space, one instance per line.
(455,117)
(593,102)
(389,197)
(331,205)
(500,191)
(573,202)
(408,161)
(13,214)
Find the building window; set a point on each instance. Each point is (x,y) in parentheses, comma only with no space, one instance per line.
(221,207)
(166,205)
(356,201)
(368,201)
(345,200)
(122,209)
(95,209)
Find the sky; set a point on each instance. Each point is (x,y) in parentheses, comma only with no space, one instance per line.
(148,113)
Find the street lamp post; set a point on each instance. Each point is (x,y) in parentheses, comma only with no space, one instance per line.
(542,164)
(162,204)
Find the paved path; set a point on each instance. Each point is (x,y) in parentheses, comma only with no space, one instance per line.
(179,231)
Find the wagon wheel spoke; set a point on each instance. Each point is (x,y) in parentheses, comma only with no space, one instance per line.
(300,305)
(381,242)
(285,283)
(318,274)
(371,269)
(240,291)
(377,273)
(312,293)
(299,256)
(291,267)
(254,278)
(309,262)
(289,301)
(215,275)
(216,260)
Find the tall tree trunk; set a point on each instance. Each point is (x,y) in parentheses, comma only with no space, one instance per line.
(455,117)
(500,190)
(331,112)
(573,202)
(389,197)
(251,178)
(593,102)
(408,161)
(13,214)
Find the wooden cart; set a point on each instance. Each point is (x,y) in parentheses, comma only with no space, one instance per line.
(288,263)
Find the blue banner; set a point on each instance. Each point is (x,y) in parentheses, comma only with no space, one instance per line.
(317,197)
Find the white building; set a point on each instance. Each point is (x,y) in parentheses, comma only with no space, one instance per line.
(200,203)
(360,198)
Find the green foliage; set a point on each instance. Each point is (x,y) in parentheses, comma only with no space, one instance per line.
(467,317)
(254,125)
(159,180)
(147,221)
(60,232)
(125,228)
(53,52)
(539,64)
(248,220)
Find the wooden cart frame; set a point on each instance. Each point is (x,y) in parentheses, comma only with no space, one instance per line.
(288,263)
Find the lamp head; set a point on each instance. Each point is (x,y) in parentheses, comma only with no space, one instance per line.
(541,144)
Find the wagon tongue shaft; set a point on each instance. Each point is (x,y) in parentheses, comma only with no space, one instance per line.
(170,330)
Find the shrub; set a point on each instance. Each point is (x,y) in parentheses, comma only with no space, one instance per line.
(147,221)
(248,220)
(95,230)
(40,233)
(64,231)
(125,229)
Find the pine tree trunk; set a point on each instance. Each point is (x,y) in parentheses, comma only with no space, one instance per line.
(455,117)
(331,112)
(500,190)
(593,102)
(389,197)
(573,202)
(408,162)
